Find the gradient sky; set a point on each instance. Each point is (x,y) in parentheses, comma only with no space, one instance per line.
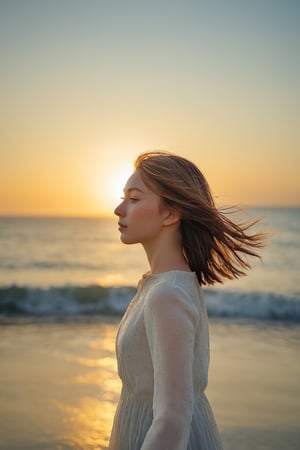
(86,85)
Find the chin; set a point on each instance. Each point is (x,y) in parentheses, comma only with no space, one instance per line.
(125,240)
(128,241)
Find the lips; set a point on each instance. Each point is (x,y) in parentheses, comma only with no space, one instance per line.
(121,226)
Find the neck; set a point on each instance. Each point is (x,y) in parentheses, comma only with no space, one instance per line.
(166,255)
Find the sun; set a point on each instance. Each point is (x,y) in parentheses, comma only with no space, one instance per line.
(107,183)
(109,186)
(117,182)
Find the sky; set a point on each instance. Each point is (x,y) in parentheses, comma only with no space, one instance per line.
(87,85)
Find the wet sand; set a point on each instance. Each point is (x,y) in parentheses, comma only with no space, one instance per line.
(59,388)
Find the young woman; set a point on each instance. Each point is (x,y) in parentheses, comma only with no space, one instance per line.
(163,343)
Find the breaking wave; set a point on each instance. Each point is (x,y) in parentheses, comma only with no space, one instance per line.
(70,300)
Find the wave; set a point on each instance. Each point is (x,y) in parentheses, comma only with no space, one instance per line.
(41,265)
(70,300)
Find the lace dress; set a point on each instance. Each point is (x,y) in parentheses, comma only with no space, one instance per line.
(163,355)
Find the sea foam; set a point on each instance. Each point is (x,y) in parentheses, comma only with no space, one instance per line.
(70,300)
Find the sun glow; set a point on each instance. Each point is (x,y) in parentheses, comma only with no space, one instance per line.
(117,182)
(108,186)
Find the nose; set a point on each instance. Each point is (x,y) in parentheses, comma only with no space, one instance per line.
(119,211)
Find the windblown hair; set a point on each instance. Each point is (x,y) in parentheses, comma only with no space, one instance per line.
(215,247)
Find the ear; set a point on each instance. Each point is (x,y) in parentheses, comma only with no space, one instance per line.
(171,217)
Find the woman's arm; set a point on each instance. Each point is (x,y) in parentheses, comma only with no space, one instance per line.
(170,325)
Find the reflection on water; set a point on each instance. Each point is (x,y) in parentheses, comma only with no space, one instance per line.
(58,385)
(87,426)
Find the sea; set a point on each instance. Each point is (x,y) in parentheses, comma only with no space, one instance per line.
(64,285)
(54,268)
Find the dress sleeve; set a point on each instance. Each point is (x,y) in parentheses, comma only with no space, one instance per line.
(171,321)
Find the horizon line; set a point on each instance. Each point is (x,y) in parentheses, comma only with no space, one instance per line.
(110,216)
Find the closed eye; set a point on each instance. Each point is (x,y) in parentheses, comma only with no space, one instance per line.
(132,199)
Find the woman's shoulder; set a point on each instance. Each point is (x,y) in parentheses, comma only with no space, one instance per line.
(174,289)
(173,281)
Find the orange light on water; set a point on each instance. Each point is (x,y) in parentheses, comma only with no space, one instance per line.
(88,417)
(88,424)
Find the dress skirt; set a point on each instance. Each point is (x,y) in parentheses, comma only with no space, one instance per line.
(134,417)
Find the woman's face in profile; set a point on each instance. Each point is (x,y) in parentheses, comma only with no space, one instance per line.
(141,215)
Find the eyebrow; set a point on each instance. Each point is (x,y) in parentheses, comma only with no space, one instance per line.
(133,189)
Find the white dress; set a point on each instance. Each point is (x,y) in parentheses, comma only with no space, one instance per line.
(163,355)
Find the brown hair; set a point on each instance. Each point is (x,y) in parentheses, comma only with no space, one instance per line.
(214,246)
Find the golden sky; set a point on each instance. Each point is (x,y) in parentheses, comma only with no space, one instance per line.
(88,85)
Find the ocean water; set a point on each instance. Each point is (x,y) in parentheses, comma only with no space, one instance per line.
(64,267)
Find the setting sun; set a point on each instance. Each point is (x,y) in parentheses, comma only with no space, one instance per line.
(117,182)
(108,185)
